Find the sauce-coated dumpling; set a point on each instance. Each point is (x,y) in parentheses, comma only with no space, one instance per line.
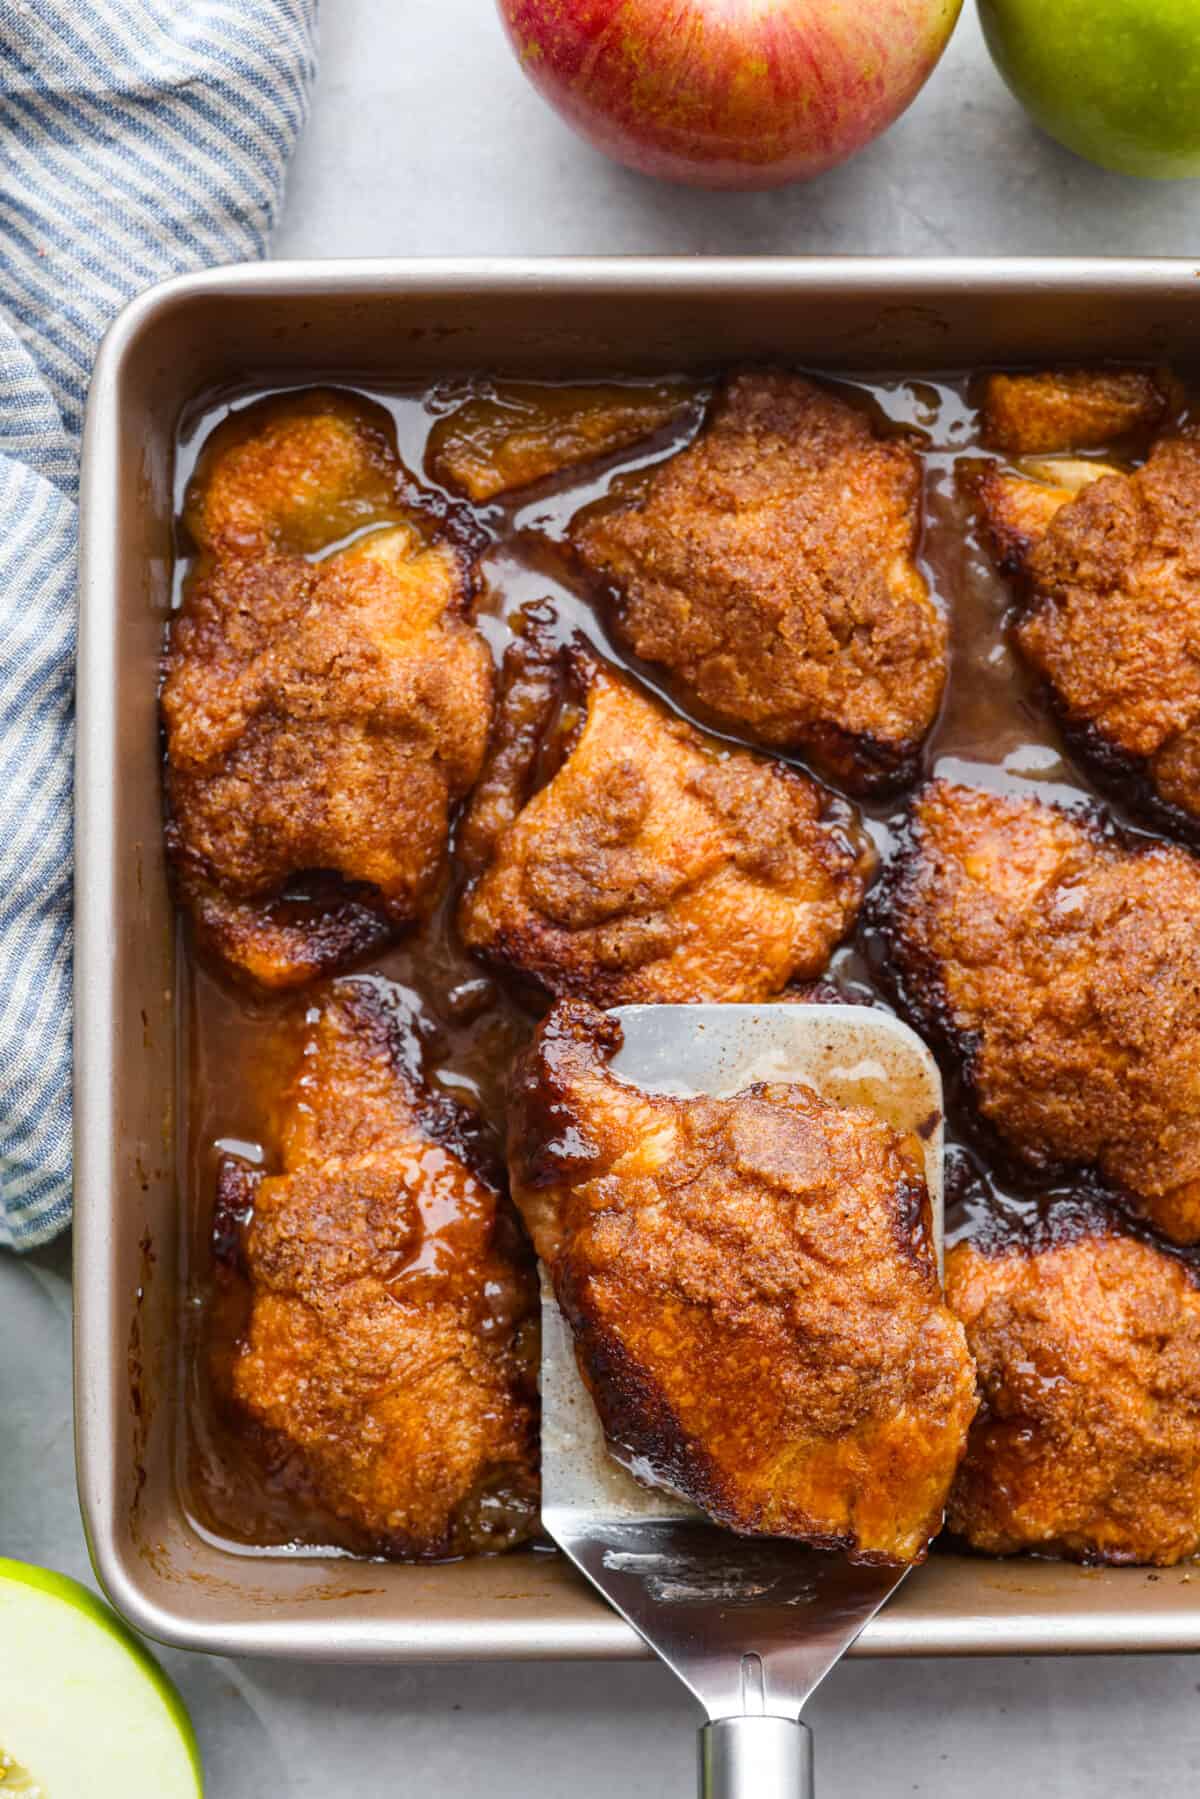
(388,1363)
(1087,1442)
(771,567)
(324,713)
(1061,965)
(653,864)
(754,1294)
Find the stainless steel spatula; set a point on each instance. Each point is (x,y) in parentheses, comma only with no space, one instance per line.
(750,1625)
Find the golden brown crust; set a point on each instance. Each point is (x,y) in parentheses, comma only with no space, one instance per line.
(1087,1442)
(1111,615)
(1070,409)
(323,717)
(770,567)
(1017,510)
(388,1361)
(1113,621)
(650,866)
(509,434)
(1063,967)
(753,1291)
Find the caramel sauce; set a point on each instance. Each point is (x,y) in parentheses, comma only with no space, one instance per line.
(995,730)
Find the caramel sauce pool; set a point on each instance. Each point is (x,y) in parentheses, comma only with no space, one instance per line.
(994,730)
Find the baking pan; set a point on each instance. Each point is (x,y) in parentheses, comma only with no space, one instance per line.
(380,322)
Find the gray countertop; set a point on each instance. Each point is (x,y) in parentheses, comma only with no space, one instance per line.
(425,139)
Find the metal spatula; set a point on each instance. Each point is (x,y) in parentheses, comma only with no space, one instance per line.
(750,1625)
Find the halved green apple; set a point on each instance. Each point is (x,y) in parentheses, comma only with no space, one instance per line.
(84,1708)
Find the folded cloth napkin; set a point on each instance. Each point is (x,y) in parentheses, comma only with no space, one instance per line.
(138,138)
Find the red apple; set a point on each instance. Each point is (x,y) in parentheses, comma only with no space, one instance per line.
(729,93)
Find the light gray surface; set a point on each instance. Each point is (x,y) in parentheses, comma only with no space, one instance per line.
(427,140)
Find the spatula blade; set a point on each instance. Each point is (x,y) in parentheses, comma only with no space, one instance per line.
(750,1625)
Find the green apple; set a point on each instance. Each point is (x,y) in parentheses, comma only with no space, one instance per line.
(84,1709)
(1118,81)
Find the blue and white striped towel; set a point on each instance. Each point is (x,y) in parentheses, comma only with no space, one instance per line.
(138,138)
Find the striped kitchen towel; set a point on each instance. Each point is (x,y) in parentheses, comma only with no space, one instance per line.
(138,138)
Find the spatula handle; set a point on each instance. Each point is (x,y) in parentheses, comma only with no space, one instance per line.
(756,1758)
